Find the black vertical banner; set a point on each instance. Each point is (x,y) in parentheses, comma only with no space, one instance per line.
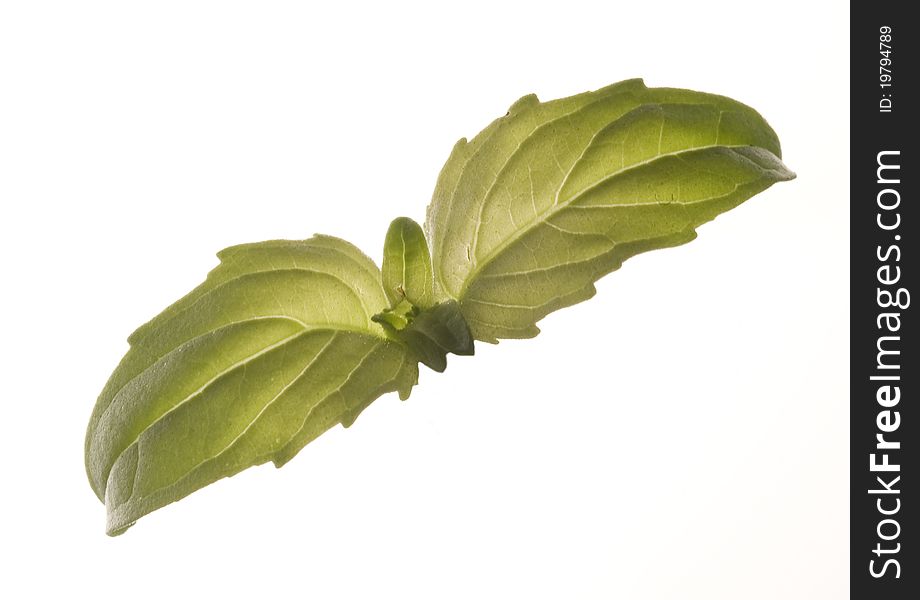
(885,371)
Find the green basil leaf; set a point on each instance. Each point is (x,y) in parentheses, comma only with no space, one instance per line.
(552,196)
(274,348)
(407,264)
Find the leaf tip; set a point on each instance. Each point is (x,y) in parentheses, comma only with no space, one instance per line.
(119,530)
(781,172)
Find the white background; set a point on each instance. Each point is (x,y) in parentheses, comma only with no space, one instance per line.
(681,435)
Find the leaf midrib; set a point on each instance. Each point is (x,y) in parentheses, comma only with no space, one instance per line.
(252,422)
(223,373)
(544,216)
(372,329)
(287,386)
